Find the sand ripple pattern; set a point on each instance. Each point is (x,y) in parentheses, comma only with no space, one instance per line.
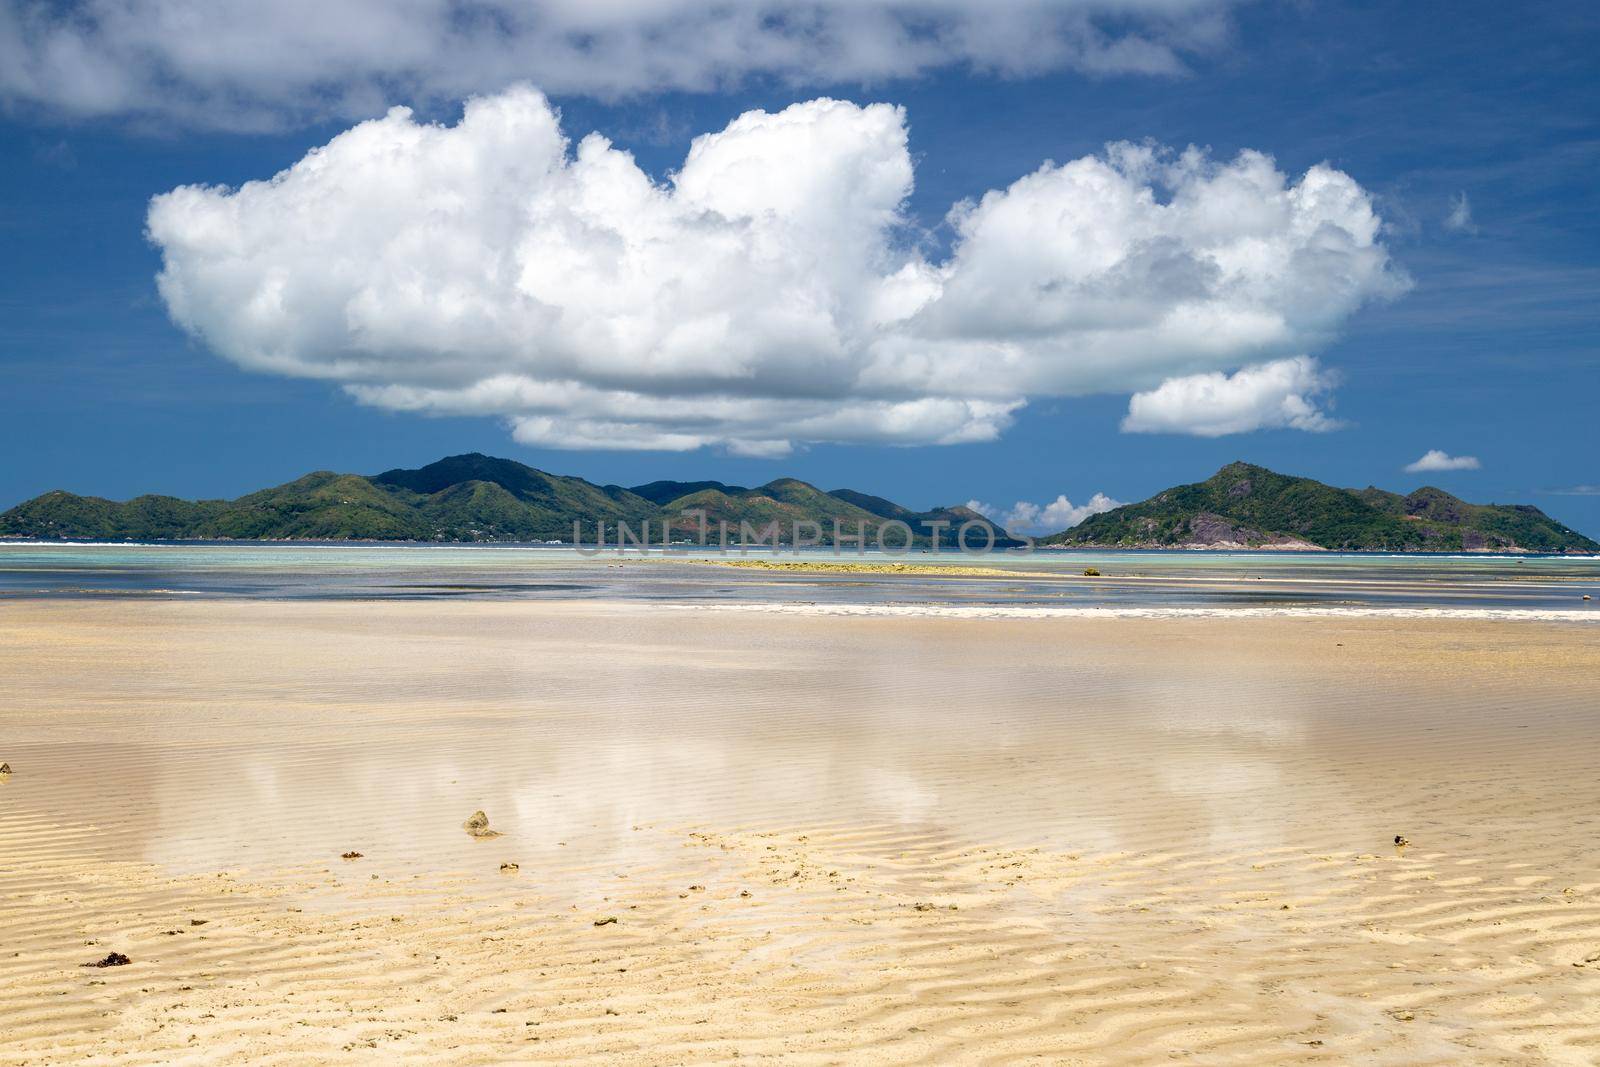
(822,841)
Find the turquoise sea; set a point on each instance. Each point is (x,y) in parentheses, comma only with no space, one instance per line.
(1042,578)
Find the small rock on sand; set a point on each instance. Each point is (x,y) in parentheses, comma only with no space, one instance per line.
(477,825)
(605,920)
(349,855)
(5,768)
(510,867)
(115,959)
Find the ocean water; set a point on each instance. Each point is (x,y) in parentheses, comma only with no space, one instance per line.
(1128,581)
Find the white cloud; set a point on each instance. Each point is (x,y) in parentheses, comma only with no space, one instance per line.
(249,64)
(1459,219)
(765,296)
(1437,460)
(1059,514)
(1277,395)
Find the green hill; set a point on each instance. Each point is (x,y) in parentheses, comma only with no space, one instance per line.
(666,492)
(480,498)
(59,514)
(789,500)
(462,498)
(877,505)
(1248,506)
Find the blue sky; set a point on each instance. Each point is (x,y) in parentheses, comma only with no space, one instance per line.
(1471,128)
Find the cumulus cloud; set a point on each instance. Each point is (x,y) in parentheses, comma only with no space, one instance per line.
(249,64)
(1281,394)
(1059,514)
(766,294)
(1459,218)
(1436,460)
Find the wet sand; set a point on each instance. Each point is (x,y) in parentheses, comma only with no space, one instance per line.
(822,839)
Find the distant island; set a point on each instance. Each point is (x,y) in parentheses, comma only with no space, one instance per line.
(475,497)
(1243,506)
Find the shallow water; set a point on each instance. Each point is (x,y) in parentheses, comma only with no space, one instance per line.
(1045,578)
(231,735)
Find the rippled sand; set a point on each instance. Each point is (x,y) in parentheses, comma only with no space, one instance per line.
(823,839)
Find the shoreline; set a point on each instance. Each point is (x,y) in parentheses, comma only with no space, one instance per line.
(1030,612)
(974,613)
(687,551)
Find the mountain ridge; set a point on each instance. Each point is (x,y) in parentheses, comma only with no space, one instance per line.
(474,497)
(1244,506)
(465,498)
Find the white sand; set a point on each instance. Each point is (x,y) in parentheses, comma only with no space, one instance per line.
(1162,837)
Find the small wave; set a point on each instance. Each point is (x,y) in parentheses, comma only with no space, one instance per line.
(935,611)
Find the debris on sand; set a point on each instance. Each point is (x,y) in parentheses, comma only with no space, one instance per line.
(510,867)
(605,920)
(115,959)
(1401,841)
(198,922)
(477,825)
(349,855)
(5,768)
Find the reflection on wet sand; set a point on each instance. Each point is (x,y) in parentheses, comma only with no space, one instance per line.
(892,839)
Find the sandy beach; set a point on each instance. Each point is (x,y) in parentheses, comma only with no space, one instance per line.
(816,839)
